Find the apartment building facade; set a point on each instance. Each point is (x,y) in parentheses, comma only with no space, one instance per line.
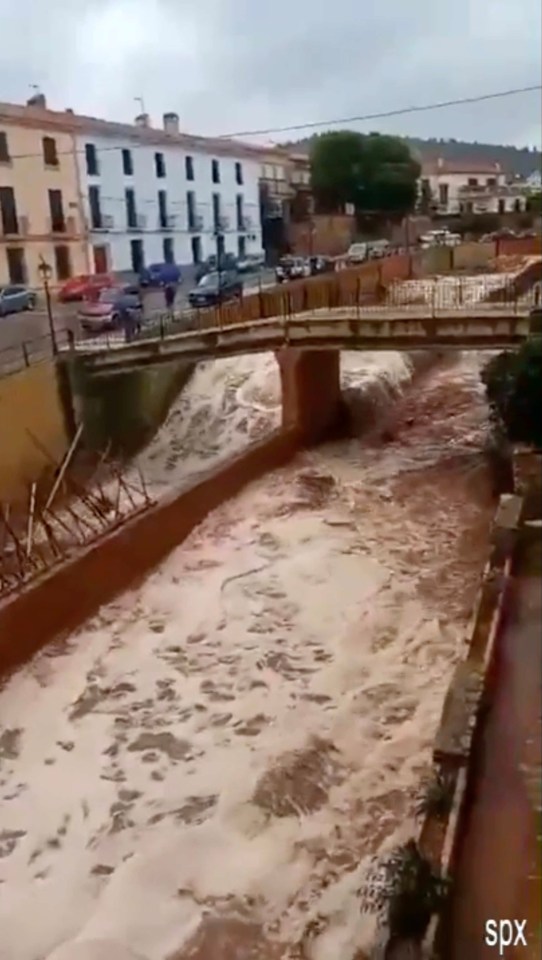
(450,188)
(89,195)
(41,217)
(153,196)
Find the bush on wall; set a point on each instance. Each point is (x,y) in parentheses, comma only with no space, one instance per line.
(513,382)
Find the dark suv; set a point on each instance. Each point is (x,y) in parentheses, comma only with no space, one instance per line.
(228,264)
(216,288)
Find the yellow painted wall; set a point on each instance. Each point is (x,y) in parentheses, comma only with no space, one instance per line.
(29,401)
(30,178)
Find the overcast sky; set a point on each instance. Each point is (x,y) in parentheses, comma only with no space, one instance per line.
(235,65)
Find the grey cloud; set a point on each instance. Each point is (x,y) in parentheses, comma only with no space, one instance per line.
(230,65)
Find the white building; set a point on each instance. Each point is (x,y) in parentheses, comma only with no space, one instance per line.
(453,187)
(154,195)
(534,181)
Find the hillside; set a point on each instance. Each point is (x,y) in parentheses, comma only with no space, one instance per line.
(512,159)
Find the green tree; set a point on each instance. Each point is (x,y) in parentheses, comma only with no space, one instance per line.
(513,388)
(373,172)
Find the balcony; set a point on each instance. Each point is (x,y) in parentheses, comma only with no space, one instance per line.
(483,190)
(245,223)
(195,223)
(167,223)
(273,209)
(18,227)
(137,223)
(103,223)
(221,224)
(63,226)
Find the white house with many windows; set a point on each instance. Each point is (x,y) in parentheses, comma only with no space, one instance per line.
(455,187)
(153,195)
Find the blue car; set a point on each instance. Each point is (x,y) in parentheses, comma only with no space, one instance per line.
(160,274)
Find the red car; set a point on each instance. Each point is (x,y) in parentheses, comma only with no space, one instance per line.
(85,287)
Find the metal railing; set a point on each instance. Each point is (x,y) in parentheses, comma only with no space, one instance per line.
(27,353)
(375,287)
(358,293)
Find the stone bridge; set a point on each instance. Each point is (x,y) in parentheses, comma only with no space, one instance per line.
(307,325)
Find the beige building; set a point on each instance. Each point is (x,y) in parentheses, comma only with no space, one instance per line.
(40,205)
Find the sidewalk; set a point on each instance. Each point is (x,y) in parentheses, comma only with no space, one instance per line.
(499,870)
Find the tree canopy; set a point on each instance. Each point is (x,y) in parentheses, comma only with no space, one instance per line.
(513,388)
(375,173)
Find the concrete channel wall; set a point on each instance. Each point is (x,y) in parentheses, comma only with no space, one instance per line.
(123,411)
(439,835)
(33,428)
(61,600)
(457,746)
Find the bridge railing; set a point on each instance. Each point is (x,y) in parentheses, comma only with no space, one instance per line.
(378,285)
(27,353)
(428,298)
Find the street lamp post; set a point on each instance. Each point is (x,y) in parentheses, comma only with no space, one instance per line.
(45,273)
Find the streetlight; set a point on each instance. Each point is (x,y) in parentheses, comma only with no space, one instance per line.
(45,273)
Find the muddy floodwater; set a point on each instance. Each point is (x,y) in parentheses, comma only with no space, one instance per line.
(208,766)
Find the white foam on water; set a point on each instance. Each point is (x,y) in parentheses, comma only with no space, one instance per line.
(227,746)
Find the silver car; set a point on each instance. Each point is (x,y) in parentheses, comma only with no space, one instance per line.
(15,298)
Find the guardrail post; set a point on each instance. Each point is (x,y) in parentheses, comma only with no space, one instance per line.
(161,322)
(25,354)
(358,294)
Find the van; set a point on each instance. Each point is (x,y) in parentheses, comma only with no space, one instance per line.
(357,252)
(160,274)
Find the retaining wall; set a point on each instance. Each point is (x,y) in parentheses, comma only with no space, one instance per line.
(67,595)
(30,405)
(124,411)
(438,837)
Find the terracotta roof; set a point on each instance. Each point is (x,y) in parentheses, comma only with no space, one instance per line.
(433,167)
(68,122)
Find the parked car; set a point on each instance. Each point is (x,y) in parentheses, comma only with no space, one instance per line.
(228,264)
(85,287)
(376,249)
(160,274)
(105,313)
(216,288)
(291,268)
(321,265)
(439,238)
(15,297)
(251,263)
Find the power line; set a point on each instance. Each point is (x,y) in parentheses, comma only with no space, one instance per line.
(310,125)
(402,111)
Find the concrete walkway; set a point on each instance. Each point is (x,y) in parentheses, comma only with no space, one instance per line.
(499,871)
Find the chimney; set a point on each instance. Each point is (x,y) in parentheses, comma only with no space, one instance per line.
(37,100)
(143,120)
(171,122)
(440,163)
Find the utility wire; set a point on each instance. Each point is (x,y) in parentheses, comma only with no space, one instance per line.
(403,111)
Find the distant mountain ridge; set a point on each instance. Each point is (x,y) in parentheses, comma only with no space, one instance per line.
(513,160)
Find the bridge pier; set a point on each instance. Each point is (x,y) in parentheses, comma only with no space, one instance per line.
(312,404)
